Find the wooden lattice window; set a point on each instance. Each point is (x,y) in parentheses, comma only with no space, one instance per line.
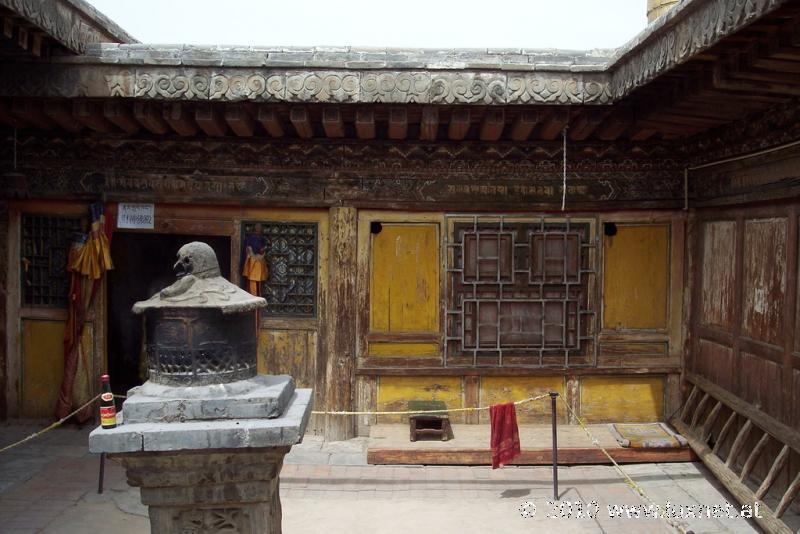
(44,251)
(291,252)
(519,293)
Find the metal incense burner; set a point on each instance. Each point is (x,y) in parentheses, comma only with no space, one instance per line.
(200,329)
(204,438)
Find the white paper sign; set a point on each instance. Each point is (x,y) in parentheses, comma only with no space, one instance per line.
(141,216)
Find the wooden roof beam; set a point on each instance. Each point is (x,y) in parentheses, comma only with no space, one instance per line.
(90,114)
(149,118)
(523,125)
(553,125)
(332,122)
(722,80)
(365,123)
(270,121)
(121,116)
(494,122)
(239,120)
(179,118)
(398,123)
(429,123)
(61,114)
(458,128)
(301,121)
(616,124)
(586,123)
(30,112)
(7,118)
(210,120)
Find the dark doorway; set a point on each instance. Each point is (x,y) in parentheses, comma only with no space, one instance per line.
(142,266)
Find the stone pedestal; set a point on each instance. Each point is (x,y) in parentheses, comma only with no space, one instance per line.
(209,491)
(205,437)
(204,476)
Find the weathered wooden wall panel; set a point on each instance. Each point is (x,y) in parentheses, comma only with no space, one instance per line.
(395,392)
(758,377)
(43,367)
(4,258)
(764,283)
(496,390)
(636,278)
(404,288)
(718,278)
(622,399)
(291,352)
(716,363)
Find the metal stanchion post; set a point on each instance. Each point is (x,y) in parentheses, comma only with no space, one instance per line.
(102,472)
(553,397)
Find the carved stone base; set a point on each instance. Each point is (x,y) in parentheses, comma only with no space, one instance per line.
(218,490)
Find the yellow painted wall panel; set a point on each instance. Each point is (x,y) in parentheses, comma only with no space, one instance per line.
(622,399)
(42,366)
(291,352)
(395,392)
(404,350)
(404,282)
(500,389)
(636,278)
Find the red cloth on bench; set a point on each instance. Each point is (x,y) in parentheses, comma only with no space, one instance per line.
(505,434)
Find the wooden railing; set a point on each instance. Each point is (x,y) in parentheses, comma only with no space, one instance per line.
(697,422)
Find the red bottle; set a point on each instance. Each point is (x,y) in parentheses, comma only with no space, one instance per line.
(108,412)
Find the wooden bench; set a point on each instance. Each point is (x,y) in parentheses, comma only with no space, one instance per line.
(436,424)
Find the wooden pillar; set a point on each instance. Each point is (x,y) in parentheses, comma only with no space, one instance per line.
(341,323)
(4,259)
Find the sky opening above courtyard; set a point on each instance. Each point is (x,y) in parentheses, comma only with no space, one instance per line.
(564,24)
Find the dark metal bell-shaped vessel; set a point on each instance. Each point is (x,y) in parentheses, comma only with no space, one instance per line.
(201,329)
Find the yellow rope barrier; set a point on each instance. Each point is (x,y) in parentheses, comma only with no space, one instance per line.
(628,480)
(409,412)
(49,428)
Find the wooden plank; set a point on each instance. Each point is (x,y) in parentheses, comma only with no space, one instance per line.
(726,428)
(492,125)
(458,128)
(365,123)
(578,456)
(91,114)
(497,390)
(689,401)
(239,120)
(147,117)
(398,123)
(764,421)
(517,371)
(404,282)
(121,116)
(210,120)
(710,420)
(622,399)
(699,411)
(636,267)
(738,443)
(752,458)
(764,279)
(395,392)
(179,118)
(30,112)
(791,493)
(717,273)
(270,121)
(472,385)
(429,123)
(553,125)
(332,122)
(61,114)
(768,520)
(523,125)
(777,465)
(340,342)
(299,118)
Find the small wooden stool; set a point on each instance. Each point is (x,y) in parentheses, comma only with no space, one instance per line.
(432,424)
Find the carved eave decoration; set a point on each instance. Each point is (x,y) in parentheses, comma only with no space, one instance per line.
(73,24)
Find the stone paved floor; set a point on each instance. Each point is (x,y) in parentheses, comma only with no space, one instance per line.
(50,485)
